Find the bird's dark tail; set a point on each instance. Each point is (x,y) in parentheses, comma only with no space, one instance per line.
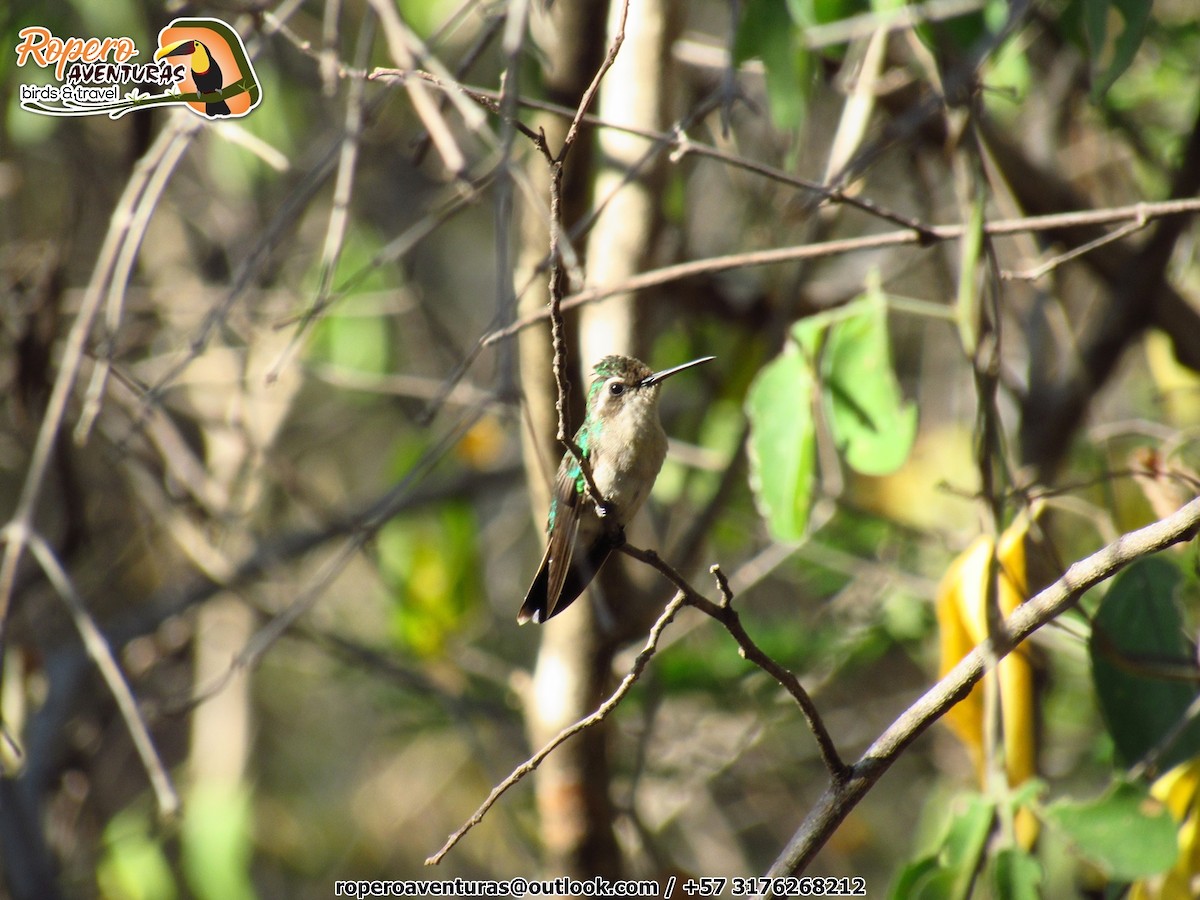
(538,607)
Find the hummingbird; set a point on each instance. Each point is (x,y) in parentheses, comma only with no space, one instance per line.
(623,441)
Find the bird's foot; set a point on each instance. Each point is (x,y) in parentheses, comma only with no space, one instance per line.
(618,536)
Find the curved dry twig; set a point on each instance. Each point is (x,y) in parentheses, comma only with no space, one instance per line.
(600,714)
(101,653)
(724,613)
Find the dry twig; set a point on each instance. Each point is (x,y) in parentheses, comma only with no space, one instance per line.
(600,714)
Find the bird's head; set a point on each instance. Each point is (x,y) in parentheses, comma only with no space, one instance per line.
(621,384)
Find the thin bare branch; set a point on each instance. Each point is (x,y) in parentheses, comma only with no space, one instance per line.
(1075,252)
(680,271)
(163,153)
(403,45)
(176,139)
(600,714)
(677,139)
(590,93)
(728,616)
(102,655)
(343,189)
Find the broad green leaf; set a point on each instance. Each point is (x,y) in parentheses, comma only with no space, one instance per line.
(768,33)
(873,427)
(913,876)
(968,833)
(1137,636)
(940,884)
(809,334)
(1016,875)
(1094,15)
(948,872)
(1136,16)
(1126,832)
(783,443)
(1088,21)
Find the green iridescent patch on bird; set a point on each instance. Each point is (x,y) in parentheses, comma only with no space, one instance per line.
(631,370)
(584,440)
(609,366)
(624,444)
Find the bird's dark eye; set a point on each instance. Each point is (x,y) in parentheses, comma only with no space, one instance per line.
(616,388)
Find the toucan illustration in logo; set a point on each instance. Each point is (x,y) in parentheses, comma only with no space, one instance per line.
(205,72)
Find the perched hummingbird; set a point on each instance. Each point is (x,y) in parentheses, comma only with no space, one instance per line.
(624,442)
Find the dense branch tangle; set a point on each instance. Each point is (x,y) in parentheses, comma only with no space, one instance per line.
(724,613)
(847,783)
(686,594)
(1128,218)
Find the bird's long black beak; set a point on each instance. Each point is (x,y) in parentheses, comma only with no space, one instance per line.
(667,373)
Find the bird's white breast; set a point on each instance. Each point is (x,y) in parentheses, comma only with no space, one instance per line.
(632,451)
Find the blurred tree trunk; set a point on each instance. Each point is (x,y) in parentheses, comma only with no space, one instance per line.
(573,672)
(637,92)
(572,785)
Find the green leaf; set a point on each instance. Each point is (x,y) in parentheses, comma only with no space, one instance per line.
(768,33)
(913,876)
(1137,628)
(216,842)
(1096,13)
(134,866)
(1126,832)
(1088,21)
(1136,14)
(1016,875)
(873,427)
(940,884)
(947,873)
(430,564)
(783,443)
(968,833)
